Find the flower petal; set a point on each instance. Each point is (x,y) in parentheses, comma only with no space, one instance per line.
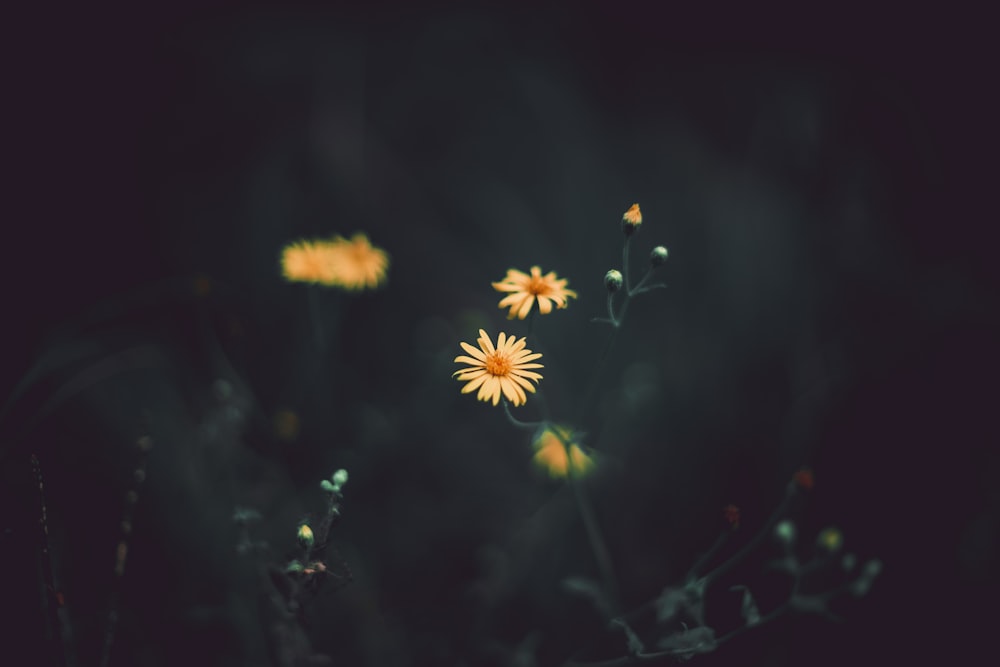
(525,308)
(474,351)
(475,383)
(485,343)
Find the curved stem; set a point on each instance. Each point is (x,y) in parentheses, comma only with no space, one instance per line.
(517,422)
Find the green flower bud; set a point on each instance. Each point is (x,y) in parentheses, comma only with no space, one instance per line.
(873,568)
(339,478)
(658,256)
(848,562)
(613,280)
(784,532)
(306,538)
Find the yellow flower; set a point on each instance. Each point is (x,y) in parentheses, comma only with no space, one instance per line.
(633,216)
(503,368)
(524,289)
(349,264)
(309,262)
(357,263)
(559,455)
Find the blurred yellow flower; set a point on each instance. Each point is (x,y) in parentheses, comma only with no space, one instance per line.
(309,262)
(556,453)
(357,263)
(504,368)
(348,264)
(525,289)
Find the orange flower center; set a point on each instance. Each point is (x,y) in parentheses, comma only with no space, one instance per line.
(538,286)
(497,364)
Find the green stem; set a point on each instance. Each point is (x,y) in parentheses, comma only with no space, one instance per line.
(597,544)
(763,533)
(517,422)
(625,246)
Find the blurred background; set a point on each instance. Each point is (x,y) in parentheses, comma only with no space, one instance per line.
(823,184)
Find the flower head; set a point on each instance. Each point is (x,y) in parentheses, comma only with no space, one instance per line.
(524,289)
(309,262)
(556,453)
(613,280)
(504,368)
(353,264)
(658,256)
(357,263)
(631,220)
(306,537)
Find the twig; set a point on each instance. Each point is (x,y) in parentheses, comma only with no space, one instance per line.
(144,444)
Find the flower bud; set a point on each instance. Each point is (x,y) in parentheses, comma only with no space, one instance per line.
(830,539)
(873,568)
(804,478)
(848,562)
(340,478)
(306,538)
(613,280)
(631,220)
(784,532)
(658,256)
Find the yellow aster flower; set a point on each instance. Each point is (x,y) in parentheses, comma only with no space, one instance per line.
(357,264)
(556,453)
(309,262)
(525,289)
(348,264)
(504,368)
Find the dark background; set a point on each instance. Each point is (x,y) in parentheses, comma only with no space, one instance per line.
(824,184)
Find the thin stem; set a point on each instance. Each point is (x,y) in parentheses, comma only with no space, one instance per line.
(764,532)
(708,555)
(595,379)
(639,288)
(144,444)
(531,318)
(537,346)
(597,544)
(53,599)
(517,422)
(628,289)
